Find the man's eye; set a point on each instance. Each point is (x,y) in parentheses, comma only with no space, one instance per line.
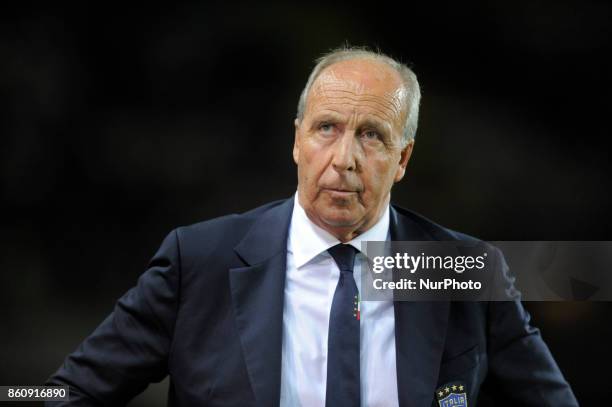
(326,128)
(371,135)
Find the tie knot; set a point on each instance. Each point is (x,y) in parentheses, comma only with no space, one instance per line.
(344,256)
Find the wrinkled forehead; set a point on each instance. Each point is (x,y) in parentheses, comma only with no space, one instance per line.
(360,82)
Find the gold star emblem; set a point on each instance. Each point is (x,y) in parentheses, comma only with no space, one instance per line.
(460,388)
(446,389)
(441,394)
(454,387)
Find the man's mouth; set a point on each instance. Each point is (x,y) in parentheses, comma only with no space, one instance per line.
(341,191)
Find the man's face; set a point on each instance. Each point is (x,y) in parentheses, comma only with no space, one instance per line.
(348,146)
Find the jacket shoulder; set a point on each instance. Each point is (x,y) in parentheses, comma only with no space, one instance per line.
(433,229)
(224,231)
(228,221)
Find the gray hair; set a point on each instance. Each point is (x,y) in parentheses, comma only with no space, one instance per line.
(413,91)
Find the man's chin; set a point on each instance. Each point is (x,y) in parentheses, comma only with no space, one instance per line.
(336,219)
(340,220)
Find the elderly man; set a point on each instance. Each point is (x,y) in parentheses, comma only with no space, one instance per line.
(262,308)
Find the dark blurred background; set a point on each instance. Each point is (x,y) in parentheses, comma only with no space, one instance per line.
(119,124)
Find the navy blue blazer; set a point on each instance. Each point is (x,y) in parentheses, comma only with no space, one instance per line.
(209,312)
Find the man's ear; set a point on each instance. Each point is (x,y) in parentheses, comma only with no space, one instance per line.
(404,158)
(296,141)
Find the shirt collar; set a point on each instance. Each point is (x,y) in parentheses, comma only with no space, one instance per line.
(307,240)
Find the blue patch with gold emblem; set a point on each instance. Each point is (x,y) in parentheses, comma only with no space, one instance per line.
(452,395)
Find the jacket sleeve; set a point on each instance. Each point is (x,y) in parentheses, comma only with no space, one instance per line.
(130,348)
(522,370)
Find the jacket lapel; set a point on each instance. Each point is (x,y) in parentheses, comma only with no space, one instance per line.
(258,295)
(420,331)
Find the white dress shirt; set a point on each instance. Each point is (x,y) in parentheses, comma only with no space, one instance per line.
(312,276)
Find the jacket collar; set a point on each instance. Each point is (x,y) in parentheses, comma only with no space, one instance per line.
(268,235)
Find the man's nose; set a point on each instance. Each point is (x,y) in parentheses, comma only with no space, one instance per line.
(346,151)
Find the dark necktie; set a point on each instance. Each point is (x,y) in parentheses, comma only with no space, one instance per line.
(343,378)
